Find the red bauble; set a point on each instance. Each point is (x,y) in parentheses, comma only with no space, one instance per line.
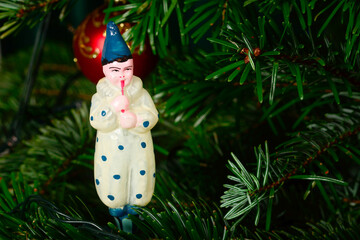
(88,42)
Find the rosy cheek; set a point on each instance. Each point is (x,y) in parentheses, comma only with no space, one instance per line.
(115,76)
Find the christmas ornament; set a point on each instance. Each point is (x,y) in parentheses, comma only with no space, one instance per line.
(123,113)
(88,42)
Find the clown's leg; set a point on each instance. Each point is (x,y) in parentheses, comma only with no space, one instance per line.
(127,225)
(126,222)
(117,213)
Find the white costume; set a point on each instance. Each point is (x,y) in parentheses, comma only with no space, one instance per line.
(124,158)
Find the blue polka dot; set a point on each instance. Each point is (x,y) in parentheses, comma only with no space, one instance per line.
(121,147)
(117,176)
(103,113)
(97,181)
(97,139)
(103,157)
(138,196)
(154,175)
(91,118)
(146,123)
(111,197)
(143,144)
(142,172)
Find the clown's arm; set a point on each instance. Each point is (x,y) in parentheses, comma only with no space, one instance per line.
(102,117)
(146,113)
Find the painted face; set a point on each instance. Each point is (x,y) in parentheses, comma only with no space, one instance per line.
(116,72)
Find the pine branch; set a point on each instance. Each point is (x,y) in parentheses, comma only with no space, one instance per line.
(19,14)
(176,220)
(276,60)
(152,23)
(274,65)
(30,8)
(351,201)
(27,214)
(205,17)
(187,98)
(314,63)
(310,17)
(55,150)
(9,101)
(341,229)
(291,173)
(294,155)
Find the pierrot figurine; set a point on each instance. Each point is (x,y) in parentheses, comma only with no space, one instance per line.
(123,114)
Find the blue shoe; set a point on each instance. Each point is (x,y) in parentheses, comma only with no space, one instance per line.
(116,212)
(129,209)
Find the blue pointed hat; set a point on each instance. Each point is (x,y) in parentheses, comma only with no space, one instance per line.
(114,45)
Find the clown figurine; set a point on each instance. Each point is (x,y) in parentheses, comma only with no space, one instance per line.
(123,114)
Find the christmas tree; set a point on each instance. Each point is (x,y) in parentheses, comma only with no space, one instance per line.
(259,119)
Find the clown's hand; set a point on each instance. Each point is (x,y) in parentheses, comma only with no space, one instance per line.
(128,120)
